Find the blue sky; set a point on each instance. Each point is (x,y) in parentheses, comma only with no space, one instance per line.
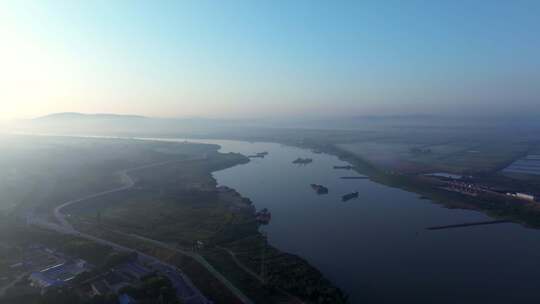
(269,58)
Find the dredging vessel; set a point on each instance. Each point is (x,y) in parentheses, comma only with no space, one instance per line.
(349,196)
(263,217)
(302,161)
(258,155)
(348,167)
(320,189)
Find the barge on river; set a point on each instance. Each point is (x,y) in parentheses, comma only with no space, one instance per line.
(349,196)
(320,189)
(263,217)
(302,161)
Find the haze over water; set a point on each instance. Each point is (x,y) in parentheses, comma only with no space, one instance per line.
(376,247)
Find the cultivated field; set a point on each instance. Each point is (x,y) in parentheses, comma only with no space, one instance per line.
(454,157)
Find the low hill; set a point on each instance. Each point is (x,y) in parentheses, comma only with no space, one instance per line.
(75,115)
(105,124)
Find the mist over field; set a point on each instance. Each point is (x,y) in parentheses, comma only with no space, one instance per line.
(102,123)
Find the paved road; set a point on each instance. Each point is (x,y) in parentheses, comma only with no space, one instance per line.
(256,276)
(17,280)
(239,294)
(184,287)
(126,180)
(241,265)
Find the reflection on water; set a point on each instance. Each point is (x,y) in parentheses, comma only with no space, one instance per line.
(376,247)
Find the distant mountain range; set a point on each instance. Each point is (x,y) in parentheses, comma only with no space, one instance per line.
(135,125)
(124,123)
(75,115)
(127,125)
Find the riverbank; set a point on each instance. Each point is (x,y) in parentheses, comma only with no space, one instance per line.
(375,248)
(182,209)
(267,273)
(251,261)
(497,207)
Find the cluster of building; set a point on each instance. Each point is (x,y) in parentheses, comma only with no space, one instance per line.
(472,189)
(522,196)
(457,183)
(112,282)
(66,269)
(49,268)
(58,275)
(36,257)
(465,188)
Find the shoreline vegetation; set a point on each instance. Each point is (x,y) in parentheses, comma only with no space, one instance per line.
(165,214)
(506,209)
(233,245)
(284,273)
(286,276)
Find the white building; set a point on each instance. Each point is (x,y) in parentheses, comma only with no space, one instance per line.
(523,196)
(57,275)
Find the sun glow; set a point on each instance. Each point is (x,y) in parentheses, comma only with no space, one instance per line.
(30,74)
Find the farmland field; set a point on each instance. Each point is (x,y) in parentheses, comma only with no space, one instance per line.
(528,165)
(455,157)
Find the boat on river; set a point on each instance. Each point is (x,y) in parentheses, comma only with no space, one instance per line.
(320,189)
(348,167)
(302,161)
(263,217)
(258,155)
(349,196)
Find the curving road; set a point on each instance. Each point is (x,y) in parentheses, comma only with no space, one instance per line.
(256,276)
(127,182)
(201,260)
(19,278)
(184,287)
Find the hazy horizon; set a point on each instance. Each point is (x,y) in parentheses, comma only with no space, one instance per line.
(250,59)
(269,152)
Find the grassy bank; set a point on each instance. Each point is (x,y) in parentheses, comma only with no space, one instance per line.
(180,205)
(526,213)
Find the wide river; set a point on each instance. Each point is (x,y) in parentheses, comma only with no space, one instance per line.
(376,247)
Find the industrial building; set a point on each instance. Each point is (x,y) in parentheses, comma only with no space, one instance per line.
(58,275)
(523,196)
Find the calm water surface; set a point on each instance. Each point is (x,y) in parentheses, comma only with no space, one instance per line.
(376,247)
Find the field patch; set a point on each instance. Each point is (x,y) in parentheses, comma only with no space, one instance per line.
(529,164)
(454,157)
